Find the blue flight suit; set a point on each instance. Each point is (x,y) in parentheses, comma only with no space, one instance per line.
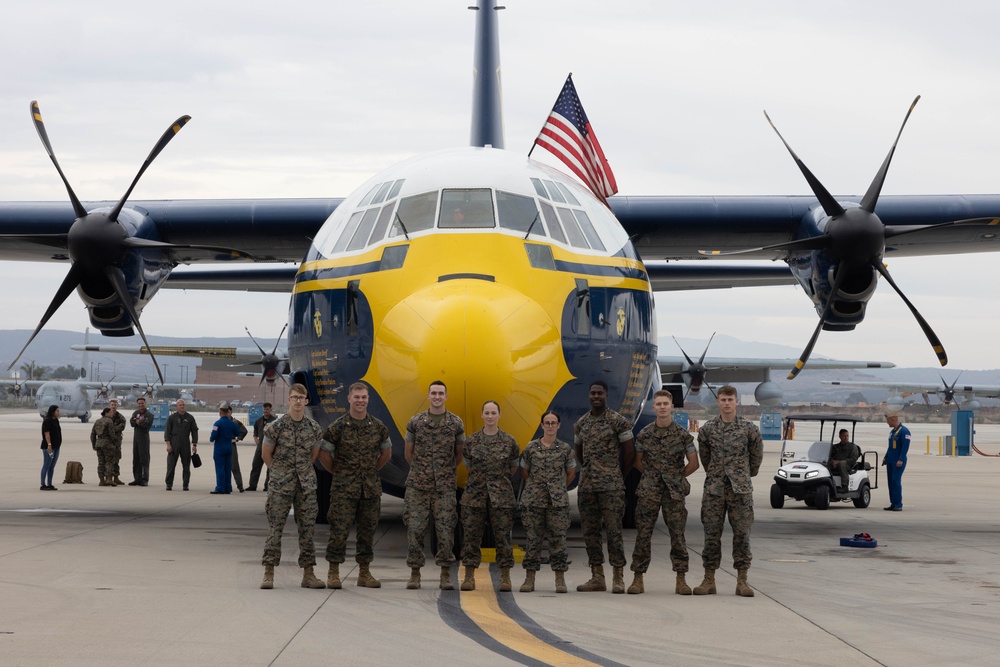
(899,444)
(224,432)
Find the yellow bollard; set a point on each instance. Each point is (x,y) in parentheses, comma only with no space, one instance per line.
(940,445)
(928,445)
(954,448)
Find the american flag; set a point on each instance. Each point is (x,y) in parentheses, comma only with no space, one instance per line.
(567,134)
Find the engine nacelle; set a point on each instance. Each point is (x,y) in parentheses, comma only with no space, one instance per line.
(972,404)
(768,394)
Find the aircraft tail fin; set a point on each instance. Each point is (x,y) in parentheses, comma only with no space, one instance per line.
(487,106)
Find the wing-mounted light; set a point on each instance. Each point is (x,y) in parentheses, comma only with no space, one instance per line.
(98,244)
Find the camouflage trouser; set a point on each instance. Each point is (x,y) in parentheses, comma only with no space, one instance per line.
(675,515)
(739,507)
(276,508)
(105,461)
(546,524)
(603,510)
(115,467)
(364,514)
(474,522)
(420,505)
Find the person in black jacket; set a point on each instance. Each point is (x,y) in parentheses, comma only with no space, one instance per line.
(51,441)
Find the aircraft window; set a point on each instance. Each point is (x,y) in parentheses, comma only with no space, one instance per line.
(383,223)
(518,213)
(573,232)
(567,194)
(368,197)
(588,230)
(466,208)
(352,226)
(393,257)
(380,195)
(415,214)
(628,251)
(540,256)
(539,188)
(396,187)
(360,237)
(554,193)
(555,229)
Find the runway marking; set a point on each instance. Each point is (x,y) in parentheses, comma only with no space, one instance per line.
(500,625)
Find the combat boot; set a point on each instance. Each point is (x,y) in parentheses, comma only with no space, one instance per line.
(742,587)
(636,588)
(561,583)
(105,482)
(365,577)
(469,584)
(596,582)
(618,580)
(268,581)
(309,579)
(414,582)
(505,580)
(707,585)
(446,584)
(333,576)
(681,587)
(529,582)
(118,482)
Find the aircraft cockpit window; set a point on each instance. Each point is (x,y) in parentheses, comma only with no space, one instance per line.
(415,214)
(568,195)
(383,223)
(368,197)
(382,191)
(555,229)
(464,209)
(588,230)
(554,193)
(539,188)
(540,256)
(573,233)
(360,237)
(396,188)
(352,226)
(519,213)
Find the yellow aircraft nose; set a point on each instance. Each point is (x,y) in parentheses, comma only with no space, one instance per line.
(484,340)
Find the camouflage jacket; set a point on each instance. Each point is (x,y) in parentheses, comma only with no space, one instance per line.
(434,444)
(547,468)
(601,438)
(355,445)
(102,433)
(489,458)
(664,457)
(291,464)
(731,451)
(118,427)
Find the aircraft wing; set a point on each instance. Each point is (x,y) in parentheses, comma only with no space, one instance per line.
(985,390)
(130,386)
(27,384)
(179,351)
(743,369)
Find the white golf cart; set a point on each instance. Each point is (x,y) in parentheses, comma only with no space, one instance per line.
(803,473)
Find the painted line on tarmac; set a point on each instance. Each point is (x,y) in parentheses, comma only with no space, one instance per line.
(500,625)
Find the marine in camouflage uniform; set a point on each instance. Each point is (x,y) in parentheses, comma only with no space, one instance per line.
(354,447)
(103,440)
(119,422)
(488,492)
(731,451)
(600,436)
(545,503)
(293,484)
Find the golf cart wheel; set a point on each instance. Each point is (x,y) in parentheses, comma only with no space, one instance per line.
(810,501)
(864,497)
(777,497)
(822,498)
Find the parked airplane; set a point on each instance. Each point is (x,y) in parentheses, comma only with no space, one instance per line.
(537,291)
(730,370)
(948,393)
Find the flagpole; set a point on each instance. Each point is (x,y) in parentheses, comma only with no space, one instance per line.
(533,144)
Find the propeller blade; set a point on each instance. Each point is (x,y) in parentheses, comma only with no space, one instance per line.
(871,197)
(262,352)
(69,284)
(702,360)
(278,340)
(36,117)
(174,128)
(826,200)
(804,357)
(117,279)
(932,338)
(690,362)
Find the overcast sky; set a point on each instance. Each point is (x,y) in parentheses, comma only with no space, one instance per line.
(311,99)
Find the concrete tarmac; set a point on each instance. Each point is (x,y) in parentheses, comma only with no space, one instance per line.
(129,575)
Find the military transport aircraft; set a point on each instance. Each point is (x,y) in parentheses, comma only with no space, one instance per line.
(963,395)
(537,291)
